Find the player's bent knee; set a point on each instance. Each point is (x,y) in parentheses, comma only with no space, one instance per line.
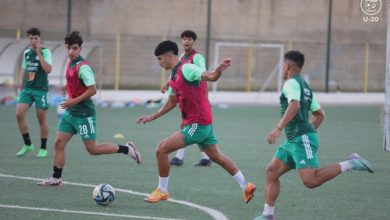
(59,145)
(19,115)
(161,148)
(270,171)
(93,150)
(310,184)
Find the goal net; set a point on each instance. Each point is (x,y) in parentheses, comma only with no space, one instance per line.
(255,66)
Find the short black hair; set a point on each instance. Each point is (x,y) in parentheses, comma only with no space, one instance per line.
(33,32)
(166,46)
(74,38)
(295,56)
(188,33)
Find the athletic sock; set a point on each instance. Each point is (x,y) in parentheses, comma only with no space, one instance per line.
(26,139)
(345,165)
(57,172)
(204,156)
(180,153)
(163,183)
(43,143)
(268,210)
(240,179)
(123,149)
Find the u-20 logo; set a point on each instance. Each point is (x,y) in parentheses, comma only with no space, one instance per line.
(370,8)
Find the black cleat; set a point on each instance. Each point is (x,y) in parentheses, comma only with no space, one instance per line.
(203,163)
(176,162)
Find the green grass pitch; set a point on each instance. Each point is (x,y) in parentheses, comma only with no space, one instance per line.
(242,134)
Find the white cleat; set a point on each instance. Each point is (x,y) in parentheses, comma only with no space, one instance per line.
(51,181)
(134,153)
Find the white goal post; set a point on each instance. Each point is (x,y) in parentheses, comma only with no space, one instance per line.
(386,108)
(276,72)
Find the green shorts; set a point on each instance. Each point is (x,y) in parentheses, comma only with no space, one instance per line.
(202,135)
(28,96)
(299,153)
(85,126)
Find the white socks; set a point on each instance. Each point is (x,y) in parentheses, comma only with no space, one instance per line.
(163,183)
(180,153)
(268,210)
(345,165)
(204,156)
(240,179)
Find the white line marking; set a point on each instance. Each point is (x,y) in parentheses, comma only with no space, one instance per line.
(82,212)
(212,212)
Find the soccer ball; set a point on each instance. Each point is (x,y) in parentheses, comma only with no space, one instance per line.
(104,194)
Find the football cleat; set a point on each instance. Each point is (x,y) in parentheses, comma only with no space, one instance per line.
(157,196)
(176,162)
(42,153)
(249,192)
(203,163)
(51,181)
(25,149)
(359,163)
(134,153)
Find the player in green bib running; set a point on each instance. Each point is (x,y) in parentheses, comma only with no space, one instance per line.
(299,151)
(190,55)
(36,65)
(79,117)
(188,89)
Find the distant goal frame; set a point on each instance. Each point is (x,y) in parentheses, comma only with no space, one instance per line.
(276,71)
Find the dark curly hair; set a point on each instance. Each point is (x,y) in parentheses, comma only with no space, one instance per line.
(74,38)
(166,46)
(33,32)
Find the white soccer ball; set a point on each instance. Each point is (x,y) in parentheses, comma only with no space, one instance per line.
(104,194)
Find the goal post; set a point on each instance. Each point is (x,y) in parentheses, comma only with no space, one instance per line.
(386,107)
(276,71)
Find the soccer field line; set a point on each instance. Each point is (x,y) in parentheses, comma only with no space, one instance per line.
(212,212)
(83,212)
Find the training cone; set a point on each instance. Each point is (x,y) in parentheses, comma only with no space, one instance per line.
(118,136)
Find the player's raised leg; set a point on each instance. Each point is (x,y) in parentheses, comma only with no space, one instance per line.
(128,149)
(166,146)
(225,162)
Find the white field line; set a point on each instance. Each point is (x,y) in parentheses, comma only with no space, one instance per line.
(212,212)
(82,212)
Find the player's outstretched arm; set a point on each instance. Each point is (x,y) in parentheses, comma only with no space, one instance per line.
(215,74)
(169,105)
(318,118)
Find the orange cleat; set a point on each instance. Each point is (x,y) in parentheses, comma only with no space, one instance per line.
(249,192)
(157,196)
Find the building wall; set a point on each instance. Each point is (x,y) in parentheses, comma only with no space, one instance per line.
(297,24)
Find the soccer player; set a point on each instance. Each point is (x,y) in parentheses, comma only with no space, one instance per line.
(299,151)
(187,91)
(36,65)
(190,55)
(79,117)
